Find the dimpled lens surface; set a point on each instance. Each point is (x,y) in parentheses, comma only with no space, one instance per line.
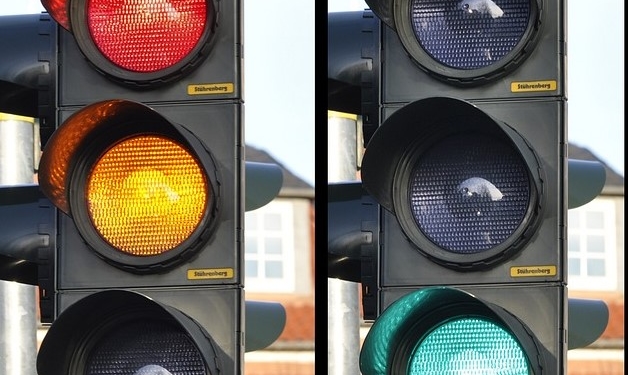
(469,34)
(469,192)
(146,195)
(469,346)
(146,35)
(145,348)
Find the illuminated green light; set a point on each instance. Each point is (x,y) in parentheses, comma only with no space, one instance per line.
(447,331)
(468,346)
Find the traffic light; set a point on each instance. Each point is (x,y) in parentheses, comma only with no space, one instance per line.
(463,107)
(27,235)
(587,318)
(146,168)
(154,236)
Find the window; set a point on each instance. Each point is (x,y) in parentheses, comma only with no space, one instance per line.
(269,248)
(592,253)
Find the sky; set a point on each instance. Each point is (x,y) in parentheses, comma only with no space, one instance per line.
(595,76)
(278,78)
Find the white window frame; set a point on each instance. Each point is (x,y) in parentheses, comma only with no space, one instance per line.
(605,207)
(262,284)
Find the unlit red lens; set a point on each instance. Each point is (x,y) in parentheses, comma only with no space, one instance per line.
(146,35)
(146,195)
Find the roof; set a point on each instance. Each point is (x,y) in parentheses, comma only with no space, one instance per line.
(613,179)
(292,184)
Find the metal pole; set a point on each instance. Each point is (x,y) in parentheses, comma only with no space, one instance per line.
(343,342)
(18,320)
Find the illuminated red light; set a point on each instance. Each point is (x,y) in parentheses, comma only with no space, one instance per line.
(146,35)
(58,9)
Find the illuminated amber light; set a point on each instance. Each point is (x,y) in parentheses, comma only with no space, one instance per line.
(146,195)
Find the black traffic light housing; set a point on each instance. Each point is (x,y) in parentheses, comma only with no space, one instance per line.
(83,148)
(27,84)
(443,47)
(28,237)
(486,177)
(468,333)
(147,168)
(468,202)
(110,331)
(418,59)
(121,132)
(154,44)
(463,107)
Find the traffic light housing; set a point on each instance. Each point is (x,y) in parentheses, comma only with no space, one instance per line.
(132,145)
(144,45)
(467,190)
(27,236)
(146,167)
(463,107)
(465,202)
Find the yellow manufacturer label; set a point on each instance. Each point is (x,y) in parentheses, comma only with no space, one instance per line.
(210,89)
(530,86)
(533,271)
(210,273)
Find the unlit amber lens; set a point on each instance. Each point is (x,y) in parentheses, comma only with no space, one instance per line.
(146,195)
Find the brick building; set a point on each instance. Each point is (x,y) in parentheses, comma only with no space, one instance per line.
(279,262)
(596,270)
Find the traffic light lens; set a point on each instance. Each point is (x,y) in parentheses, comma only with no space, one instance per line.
(469,34)
(447,331)
(145,348)
(468,345)
(146,35)
(469,192)
(58,9)
(146,195)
